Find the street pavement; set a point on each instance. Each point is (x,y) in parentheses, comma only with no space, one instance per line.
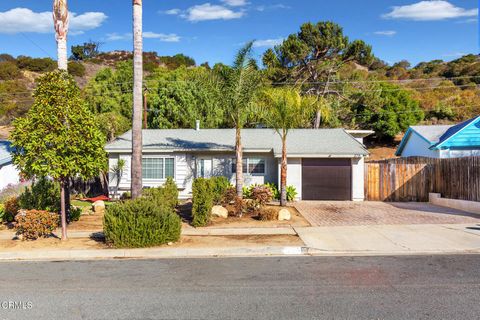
(393,287)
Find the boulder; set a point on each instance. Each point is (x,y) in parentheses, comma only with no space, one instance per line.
(219,211)
(284,214)
(98,206)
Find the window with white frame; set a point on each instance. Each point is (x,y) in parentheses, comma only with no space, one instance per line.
(158,168)
(251,165)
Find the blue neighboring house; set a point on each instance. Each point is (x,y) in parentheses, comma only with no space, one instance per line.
(8,172)
(442,141)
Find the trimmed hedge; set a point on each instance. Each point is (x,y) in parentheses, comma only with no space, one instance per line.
(202,202)
(167,195)
(219,187)
(140,223)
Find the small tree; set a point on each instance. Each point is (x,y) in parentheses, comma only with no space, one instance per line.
(58,137)
(285,109)
(117,171)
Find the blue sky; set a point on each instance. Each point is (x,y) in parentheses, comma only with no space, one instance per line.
(213,30)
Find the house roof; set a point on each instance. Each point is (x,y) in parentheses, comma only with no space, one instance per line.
(435,135)
(300,142)
(5,149)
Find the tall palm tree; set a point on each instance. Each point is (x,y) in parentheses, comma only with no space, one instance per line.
(239,85)
(61,21)
(283,110)
(136,167)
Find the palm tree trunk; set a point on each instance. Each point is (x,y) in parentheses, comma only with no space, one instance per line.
(63,211)
(283,172)
(239,159)
(60,22)
(62,54)
(136,167)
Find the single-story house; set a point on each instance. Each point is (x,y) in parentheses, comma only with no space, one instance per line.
(8,172)
(442,141)
(323,164)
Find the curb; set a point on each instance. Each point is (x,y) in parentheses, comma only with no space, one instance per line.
(155,253)
(365,253)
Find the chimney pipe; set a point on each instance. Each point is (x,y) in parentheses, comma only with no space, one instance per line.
(197,125)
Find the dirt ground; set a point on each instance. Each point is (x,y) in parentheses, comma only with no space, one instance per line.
(5,132)
(89,222)
(185,242)
(247,221)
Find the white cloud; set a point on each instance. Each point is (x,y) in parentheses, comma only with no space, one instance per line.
(454,54)
(207,11)
(272,7)
(235,3)
(429,11)
(25,20)
(388,33)
(268,42)
(172,12)
(147,35)
(172,37)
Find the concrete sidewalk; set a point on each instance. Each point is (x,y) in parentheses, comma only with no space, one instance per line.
(392,239)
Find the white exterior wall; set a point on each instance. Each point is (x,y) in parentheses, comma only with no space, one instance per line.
(294,174)
(8,175)
(459,153)
(358,179)
(416,146)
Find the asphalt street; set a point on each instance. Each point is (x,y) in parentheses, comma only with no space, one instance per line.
(402,287)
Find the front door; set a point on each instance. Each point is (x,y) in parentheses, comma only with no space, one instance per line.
(204,168)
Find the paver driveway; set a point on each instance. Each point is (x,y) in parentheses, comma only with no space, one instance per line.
(347,213)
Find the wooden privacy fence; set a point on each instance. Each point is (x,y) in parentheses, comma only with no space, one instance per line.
(413,178)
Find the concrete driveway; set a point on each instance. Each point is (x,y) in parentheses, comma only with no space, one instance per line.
(343,213)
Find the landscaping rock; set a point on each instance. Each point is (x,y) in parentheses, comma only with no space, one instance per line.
(219,211)
(284,214)
(98,206)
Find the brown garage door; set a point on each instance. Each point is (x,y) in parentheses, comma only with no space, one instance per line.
(326,179)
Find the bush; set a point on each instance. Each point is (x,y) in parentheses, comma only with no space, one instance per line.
(36,64)
(275,192)
(268,214)
(202,202)
(262,195)
(2,212)
(219,187)
(126,195)
(291,193)
(239,207)
(34,224)
(76,69)
(75,213)
(229,195)
(140,223)
(164,196)
(11,209)
(42,195)
(9,71)
(247,191)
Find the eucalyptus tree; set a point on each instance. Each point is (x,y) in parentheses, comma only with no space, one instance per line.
(61,22)
(136,167)
(284,109)
(239,87)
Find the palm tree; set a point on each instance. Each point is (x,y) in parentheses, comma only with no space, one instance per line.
(61,21)
(239,85)
(117,172)
(283,110)
(136,167)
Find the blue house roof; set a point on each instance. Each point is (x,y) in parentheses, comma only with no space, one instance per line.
(5,155)
(465,135)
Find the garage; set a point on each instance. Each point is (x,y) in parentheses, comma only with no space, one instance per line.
(326,179)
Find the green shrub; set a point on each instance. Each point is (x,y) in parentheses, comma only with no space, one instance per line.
(229,195)
(75,213)
(11,208)
(140,223)
(76,69)
(167,195)
(219,187)
(202,202)
(9,71)
(42,195)
(34,224)
(291,193)
(126,195)
(247,191)
(36,64)
(2,212)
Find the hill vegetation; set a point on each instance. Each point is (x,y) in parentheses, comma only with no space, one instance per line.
(354,89)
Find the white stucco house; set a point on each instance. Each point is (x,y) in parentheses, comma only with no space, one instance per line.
(8,172)
(442,141)
(324,164)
